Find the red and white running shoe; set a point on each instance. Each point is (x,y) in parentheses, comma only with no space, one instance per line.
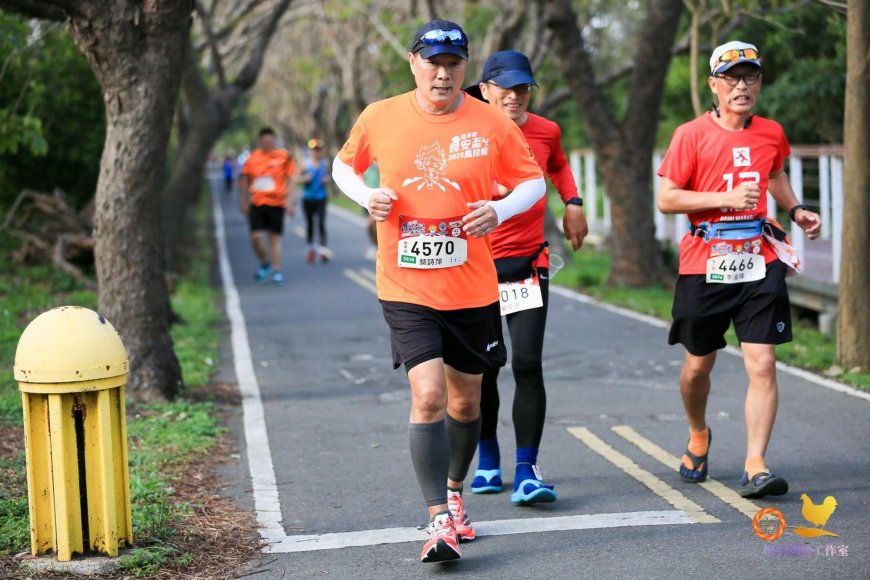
(443,544)
(463,525)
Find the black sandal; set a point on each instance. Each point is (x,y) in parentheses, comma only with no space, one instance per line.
(698,472)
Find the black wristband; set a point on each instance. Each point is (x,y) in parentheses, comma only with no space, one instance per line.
(793,210)
(574,201)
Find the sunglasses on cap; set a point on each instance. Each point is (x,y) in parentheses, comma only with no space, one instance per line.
(438,37)
(315,144)
(736,53)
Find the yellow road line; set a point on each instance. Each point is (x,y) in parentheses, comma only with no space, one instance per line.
(659,487)
(724,493)
(361,281)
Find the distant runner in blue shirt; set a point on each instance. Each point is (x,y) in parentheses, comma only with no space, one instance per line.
(229,171)
(313,176)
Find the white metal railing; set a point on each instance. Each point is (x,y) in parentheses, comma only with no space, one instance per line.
(822,189)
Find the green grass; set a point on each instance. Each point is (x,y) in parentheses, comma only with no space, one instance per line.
(161,437)
(810,349)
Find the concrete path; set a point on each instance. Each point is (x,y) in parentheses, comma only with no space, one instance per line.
(325,459)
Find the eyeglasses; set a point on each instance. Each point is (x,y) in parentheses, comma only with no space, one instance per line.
(732,80)
(736,53)
(518,89)
(435,37)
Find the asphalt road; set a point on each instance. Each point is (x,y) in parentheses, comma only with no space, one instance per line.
(324,437)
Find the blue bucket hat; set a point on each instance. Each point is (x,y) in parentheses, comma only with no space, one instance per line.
(508,68)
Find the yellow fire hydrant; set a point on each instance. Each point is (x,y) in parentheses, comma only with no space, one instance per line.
(71,369)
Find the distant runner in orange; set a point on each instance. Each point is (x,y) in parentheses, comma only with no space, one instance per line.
(265,189)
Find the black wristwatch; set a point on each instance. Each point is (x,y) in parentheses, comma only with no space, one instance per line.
(793,210)
(574,201)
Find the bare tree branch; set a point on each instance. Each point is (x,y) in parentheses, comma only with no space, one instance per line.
(838,6)
(248,75)
(211,42)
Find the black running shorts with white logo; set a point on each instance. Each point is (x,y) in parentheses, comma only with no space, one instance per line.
(469,339)
(759,310)
(267,217)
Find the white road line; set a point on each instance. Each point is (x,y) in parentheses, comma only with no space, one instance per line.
(265,489)
(370,274)
(299,231)
(659,487)
(724,493)
(354,218)
(309,543)
(658,323)
(361,281)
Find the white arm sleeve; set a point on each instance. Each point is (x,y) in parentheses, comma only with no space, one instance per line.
(524,196)
(351,184)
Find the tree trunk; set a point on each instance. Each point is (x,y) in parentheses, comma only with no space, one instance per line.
(853,334)
(134,50)
(623,150)
(209,116)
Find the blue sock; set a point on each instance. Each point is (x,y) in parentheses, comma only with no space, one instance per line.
(488,456)
(526,458)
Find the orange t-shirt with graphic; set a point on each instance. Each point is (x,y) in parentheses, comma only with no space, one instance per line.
(437,164)
(268,173)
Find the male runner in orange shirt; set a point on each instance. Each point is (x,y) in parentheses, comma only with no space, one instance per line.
(265,184)
(441,155)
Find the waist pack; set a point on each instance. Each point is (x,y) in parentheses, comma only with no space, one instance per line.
(517,268)
(728,230)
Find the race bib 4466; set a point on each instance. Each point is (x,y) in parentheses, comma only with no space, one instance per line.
(735,268)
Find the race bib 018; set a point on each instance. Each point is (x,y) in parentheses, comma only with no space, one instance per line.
(431,243)
(522,295)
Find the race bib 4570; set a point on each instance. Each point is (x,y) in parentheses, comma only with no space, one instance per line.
(431,243)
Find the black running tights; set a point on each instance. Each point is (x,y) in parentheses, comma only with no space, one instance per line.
(314,208)
(530,399)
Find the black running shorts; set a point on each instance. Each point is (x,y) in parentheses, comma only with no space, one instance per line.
(702,312)
(469,340)
(267,217)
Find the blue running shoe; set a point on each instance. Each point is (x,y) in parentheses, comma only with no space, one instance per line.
(487,481)
(531,491)
(263,273)
(278,278)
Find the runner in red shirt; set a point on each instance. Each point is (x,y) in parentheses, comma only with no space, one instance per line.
(522,262)
(440,155)
(717,170)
